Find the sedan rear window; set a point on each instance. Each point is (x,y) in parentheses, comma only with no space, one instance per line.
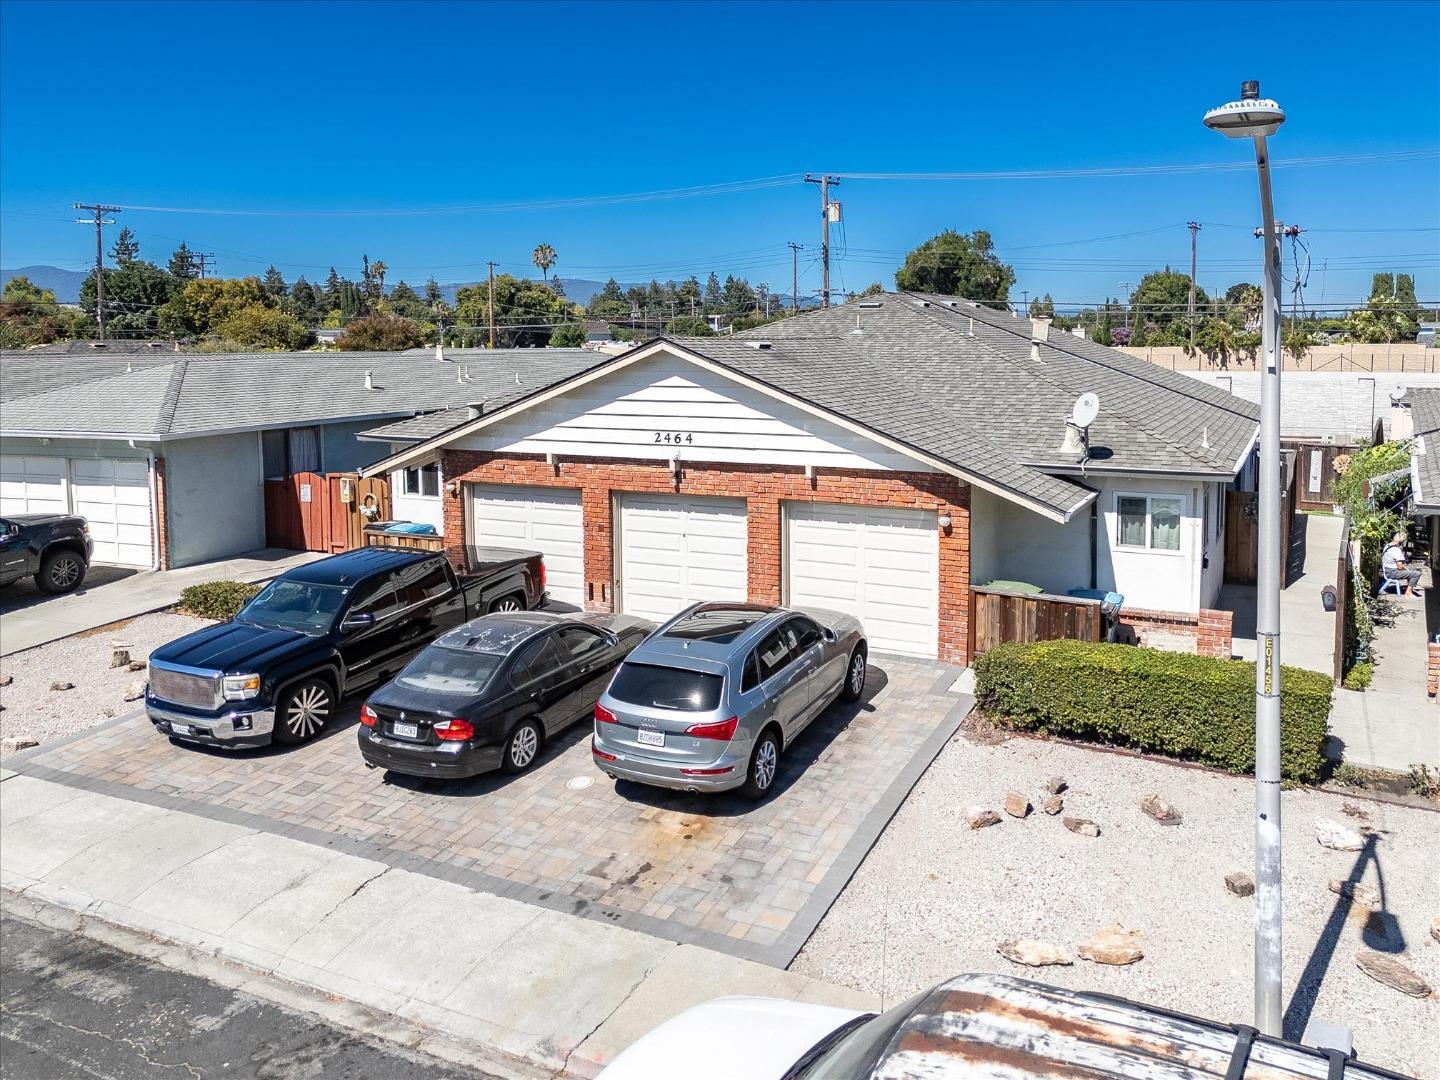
(666,688)
(439,670)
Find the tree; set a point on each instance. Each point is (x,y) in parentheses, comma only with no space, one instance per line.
(433,295)
(1405,295)
(874,289)
(609,301)
(304,303)
(1160,308)
(570,335)
(1380,321)
(712,301)
(329,297)
(389,333)
(524,312)
(274,285)
(204,303)
(134,294)
(405,302)
(183,264)
(690,326)
(737,297)
(957,264)
(1042,307)
(543,257)
(256,326)
(126,249)
(30,315)
(557,287)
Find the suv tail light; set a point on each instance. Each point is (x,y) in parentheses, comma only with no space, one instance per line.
(724,731)
(604,715)
(367,715)
(454,730)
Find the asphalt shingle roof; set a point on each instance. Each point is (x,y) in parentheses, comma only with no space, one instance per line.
(1425,451)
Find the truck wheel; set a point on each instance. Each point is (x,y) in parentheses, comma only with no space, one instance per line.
(522,748)
(303,711)
(508,603)
(60,572)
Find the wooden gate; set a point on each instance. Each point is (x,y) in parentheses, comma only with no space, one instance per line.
(997,616)
(323,511)
(1242,528)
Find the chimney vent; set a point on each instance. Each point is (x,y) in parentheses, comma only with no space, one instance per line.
(1039,329)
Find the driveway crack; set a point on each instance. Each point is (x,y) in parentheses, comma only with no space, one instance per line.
(564,1069)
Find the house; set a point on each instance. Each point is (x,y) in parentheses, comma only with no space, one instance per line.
(1425,335)
(879,458)
(167,455)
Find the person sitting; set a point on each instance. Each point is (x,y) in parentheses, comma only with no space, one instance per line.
(1392,565)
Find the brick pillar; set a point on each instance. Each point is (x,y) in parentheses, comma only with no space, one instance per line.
(162,527)
(1432,668)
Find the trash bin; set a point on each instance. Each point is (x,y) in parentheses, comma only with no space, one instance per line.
(1109,608)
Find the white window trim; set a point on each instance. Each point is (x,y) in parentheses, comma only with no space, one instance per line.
(398,481)
(1149,497)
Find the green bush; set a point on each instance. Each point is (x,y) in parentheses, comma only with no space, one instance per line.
(216,599)
(1189,706)
(1359,676)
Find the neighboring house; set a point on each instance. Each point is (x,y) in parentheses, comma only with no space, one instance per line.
(328,335)
(167,456)
(878,458)
(1426,334)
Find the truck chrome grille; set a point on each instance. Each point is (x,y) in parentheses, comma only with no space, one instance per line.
(183,688)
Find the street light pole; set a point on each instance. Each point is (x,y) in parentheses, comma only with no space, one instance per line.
(1257,119)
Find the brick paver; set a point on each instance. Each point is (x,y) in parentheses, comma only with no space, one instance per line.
(719,871)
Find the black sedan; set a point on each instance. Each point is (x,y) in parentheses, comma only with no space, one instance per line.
(488,694)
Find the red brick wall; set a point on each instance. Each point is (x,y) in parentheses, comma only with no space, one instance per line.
(162,527)
(1432,668)
(1207,633)
(764,487)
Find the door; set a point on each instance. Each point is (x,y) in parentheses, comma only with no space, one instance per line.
(589,660)
(677,550)
(547,520)
(14,552)
(784,681)
(538,677)
(370,652)
(429,602)
(32,484)
(113,495)
(878,564)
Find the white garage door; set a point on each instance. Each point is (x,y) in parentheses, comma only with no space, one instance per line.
(114,496)
(33,485)
(675,551)
(882,566)
(547,520)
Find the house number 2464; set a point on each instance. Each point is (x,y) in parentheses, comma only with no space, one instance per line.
(674,437)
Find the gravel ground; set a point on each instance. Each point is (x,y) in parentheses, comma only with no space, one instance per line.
(34,711)
(933,897)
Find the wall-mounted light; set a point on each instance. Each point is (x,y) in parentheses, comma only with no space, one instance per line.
(809,472)
(675,467)
(452,488)
(945,521)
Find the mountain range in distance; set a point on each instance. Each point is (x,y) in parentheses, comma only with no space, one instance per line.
(64,283)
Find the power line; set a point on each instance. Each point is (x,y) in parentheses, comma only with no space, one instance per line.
(99,221)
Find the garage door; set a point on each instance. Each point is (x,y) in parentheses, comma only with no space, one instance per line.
(114,496)
(882,566)
(675,551)
(547,520)
(33,485)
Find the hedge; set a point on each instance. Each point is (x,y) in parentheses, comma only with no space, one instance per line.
(216,599)
(1192,707)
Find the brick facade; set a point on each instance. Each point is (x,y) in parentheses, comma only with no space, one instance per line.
(1432,668)
(1207,632)
(162,528)
(764,487)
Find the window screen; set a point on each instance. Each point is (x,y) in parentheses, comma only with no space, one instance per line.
(1165,524)
(1131,512)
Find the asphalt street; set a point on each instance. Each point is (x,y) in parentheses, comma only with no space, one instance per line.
(74,1008)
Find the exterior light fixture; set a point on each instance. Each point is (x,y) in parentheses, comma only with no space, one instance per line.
(945,521)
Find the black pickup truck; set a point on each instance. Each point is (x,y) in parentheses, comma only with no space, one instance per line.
(319,632)
(55,548)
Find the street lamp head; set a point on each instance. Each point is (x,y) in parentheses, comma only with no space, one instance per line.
(1250,117)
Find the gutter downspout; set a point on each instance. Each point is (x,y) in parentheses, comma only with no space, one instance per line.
(154,509)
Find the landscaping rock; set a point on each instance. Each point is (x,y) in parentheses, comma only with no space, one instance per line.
(977,817)
(1052,805)
(1083,826)
(1055,785)
(120,657)
(1160,810)
(1033,953)
(62,686)
(14,744)
(138,665)
(1336,837)
(1240,883)
(135,691)
(1114,945)
(1390,971)
(1364,895)
(1435,927)
(1016,805)
(6,680)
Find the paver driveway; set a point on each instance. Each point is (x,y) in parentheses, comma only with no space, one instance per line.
(719,871)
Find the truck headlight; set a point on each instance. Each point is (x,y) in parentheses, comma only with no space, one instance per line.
(241,687)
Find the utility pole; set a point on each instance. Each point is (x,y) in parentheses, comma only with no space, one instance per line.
(490,303)
(1126,286)
(824,181)
(99,221)
(795,250)
(200,259)
(1024,302)
(1194,227)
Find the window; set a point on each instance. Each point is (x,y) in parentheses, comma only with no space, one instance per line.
(578,642)
(418,583)
(376,597)
(806,631)
(423,480)
(774,653)
(1149,521)
(536,660)
(438,670)
(656,687)
(751,678)
(285,453)
(272,450)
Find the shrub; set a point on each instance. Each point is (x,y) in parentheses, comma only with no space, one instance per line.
(382,333)
(1189,706)
(568,336)
(216,599)
(1359,676)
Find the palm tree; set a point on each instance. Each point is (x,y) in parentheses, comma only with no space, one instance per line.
(544,257)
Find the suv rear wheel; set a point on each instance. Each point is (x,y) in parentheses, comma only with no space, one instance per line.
(60,572)
(303,711)
(764,765)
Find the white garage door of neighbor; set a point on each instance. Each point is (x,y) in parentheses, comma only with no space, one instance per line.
(33,485)
(547,520)
(880,565)
(676,551)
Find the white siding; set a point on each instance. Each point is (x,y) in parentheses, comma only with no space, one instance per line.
(630,414)
(426,509)
(548,520)
(676,551)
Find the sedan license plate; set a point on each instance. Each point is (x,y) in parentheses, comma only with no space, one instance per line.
(407,731)
(646,737)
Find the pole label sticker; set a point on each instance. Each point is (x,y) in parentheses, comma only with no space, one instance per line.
(1268,654)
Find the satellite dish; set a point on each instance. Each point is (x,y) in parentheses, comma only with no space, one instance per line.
(1087,407)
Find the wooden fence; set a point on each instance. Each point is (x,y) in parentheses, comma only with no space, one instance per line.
(997,616)
(1242,527)
(377,537)
(1344,586)
(323,511)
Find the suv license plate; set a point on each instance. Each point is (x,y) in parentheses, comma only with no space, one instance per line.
(407,731)
(646,737)
(181,729)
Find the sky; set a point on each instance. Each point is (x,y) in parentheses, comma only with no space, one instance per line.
(316,118)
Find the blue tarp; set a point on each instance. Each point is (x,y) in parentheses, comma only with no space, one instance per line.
(411,528)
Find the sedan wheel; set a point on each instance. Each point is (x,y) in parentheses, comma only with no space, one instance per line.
(855,675)
(508,603)
(764,764)
(522,747)
(304,711)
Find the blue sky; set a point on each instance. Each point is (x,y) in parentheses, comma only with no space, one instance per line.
(328,107)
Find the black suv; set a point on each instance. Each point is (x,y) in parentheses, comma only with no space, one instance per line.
(321,631)
(55,548)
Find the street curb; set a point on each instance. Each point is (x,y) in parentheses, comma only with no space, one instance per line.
(235,974)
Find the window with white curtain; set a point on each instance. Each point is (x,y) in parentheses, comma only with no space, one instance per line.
(1150,522)
(304,449)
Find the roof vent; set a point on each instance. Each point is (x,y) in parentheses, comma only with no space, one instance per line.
(462,373)
(763,346)
(440,347)
(369,381)
(872,303)
(475,409)
(1039,329)
(97,344)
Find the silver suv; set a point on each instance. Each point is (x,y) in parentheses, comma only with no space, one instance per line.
(710,700)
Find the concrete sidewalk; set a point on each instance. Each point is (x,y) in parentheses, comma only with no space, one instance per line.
(538,988)
(28,621)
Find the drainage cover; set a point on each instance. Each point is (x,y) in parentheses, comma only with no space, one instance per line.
(579,783)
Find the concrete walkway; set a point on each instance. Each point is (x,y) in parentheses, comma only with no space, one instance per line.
(538,988)
(30,618)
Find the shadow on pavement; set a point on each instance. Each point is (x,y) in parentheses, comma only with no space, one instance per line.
(23,593)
